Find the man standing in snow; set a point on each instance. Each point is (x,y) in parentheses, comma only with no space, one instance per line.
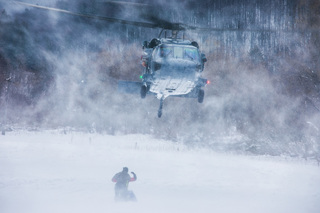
(122,180)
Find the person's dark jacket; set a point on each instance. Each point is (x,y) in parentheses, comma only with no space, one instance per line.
(122,179)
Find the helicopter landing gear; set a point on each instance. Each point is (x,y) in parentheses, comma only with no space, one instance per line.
(143,91)
(160,108)
(200,95)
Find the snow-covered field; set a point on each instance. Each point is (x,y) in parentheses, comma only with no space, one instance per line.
(44,172)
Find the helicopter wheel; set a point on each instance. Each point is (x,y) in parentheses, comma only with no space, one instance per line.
(160,108)
(143,91)
(200,95)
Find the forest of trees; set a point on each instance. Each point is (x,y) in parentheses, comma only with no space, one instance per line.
(60,71)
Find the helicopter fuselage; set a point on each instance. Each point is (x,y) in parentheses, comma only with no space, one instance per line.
(173,68)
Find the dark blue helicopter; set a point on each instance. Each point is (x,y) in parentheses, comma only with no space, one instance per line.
(172,66)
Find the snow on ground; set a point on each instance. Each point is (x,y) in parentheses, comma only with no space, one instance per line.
(71,173)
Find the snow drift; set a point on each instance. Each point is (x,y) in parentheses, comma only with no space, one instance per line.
(65,171)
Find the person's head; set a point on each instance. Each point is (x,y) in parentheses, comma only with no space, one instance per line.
(125,169)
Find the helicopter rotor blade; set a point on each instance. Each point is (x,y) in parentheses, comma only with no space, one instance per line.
(125,3)
(262,30)
(156,22)
(162,23)
(208,29)
(113,20)
(182,27)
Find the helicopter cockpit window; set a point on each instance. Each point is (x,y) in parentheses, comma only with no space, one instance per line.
(179,52)
(191,53)
(166,52)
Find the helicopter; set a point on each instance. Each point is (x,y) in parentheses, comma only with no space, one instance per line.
(172,66)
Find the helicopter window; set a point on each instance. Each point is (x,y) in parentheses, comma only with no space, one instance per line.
(165,52)
(191,53)
(178,52)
